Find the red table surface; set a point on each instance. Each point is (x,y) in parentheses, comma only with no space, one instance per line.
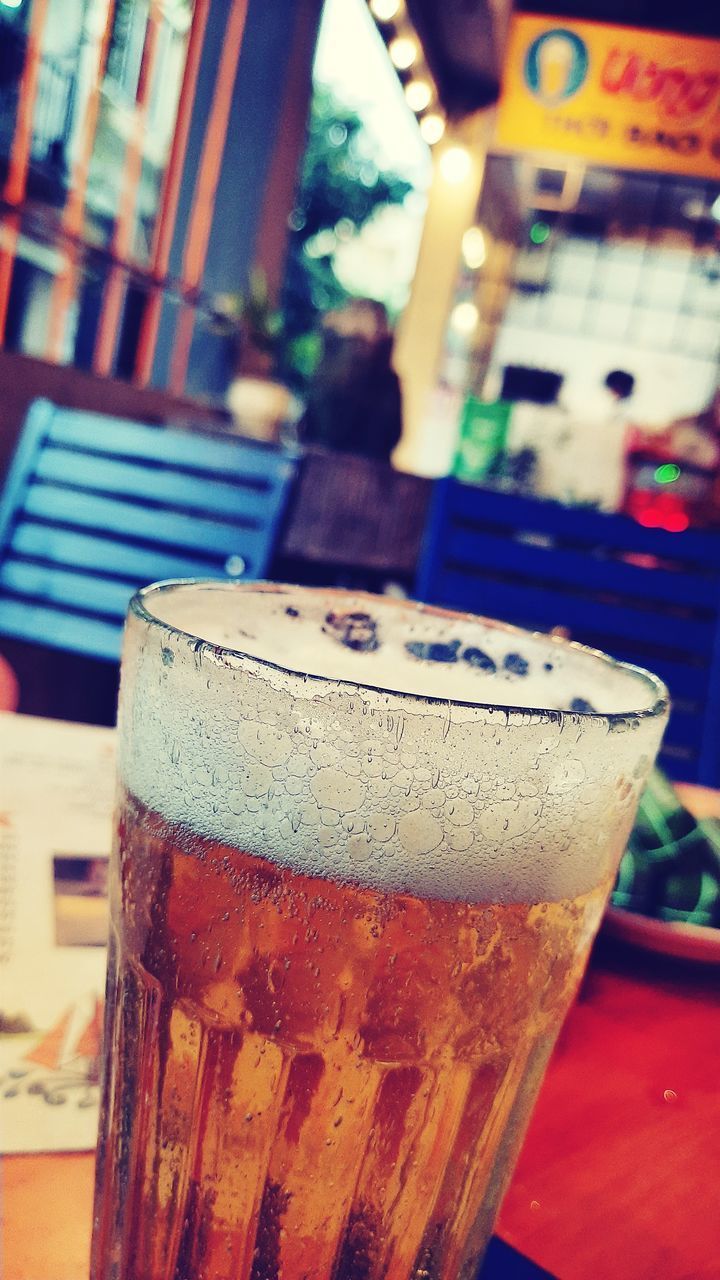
(619,1173)
(620,1170)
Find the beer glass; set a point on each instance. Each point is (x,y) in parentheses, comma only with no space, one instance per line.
(362,849)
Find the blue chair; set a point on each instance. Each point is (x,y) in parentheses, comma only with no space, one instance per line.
(644,595)
(95,506)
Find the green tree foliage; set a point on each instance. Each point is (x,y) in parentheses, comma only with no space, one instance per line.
(340,181)
(341,187)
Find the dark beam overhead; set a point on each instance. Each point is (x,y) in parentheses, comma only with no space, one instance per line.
(463,39)
(691,17)
(460,43)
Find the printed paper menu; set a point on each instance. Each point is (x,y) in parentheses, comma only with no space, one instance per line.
(56,800)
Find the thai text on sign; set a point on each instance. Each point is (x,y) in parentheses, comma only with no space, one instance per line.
(615,96)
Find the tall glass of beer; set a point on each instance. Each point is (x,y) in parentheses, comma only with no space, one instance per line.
(362,850)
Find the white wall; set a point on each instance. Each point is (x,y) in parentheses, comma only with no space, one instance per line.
(654,313)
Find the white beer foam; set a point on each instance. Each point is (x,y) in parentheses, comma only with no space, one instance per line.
(322,761)
(304,641)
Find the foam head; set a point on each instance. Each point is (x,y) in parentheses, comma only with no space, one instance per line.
(382,742)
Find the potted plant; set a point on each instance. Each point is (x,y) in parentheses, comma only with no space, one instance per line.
(261,402)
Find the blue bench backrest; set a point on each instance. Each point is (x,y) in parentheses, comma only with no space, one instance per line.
(643,595)
(95,506)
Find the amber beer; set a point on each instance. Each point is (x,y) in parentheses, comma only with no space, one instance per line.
(322,1058)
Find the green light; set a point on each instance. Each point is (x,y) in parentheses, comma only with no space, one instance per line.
(668,472)
(10,4)
(539,232)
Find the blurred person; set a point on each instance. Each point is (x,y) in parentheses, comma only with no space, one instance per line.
(354,403)
(537,436)
(591,465)
(620,385)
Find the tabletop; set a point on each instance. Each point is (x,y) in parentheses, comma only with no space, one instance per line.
(619,1171)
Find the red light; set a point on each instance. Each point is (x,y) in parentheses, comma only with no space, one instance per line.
(676,523)
(659,511)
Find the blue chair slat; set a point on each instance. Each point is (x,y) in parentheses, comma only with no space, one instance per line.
(135,520)
(35,429)
(710,740)
(559,566)
(95,507)
(184,490)
(55,545)
(532,604)
(70,632)
(645,595)
(678,762)
(196,451)
(689,682)
(687,729)
(65,587)
(577,524)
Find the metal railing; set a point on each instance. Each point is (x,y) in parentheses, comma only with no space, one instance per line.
(53,108)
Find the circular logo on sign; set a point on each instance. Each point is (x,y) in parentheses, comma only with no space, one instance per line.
(556,65)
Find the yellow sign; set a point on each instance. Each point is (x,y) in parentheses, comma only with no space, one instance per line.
(614,96)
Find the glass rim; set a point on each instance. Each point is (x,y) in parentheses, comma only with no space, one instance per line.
(138,608)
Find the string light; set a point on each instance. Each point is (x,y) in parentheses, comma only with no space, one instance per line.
(474,249)
(455,164)
(464,318)
(403,51)
(432,128)
(385,10)
(418,95)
